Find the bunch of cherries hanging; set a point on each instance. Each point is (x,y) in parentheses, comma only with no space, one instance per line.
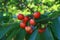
(28,22)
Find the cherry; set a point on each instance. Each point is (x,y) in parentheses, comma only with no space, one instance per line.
(36,15)
(28,29)
(30,32)
(26,18)
(41,30)
(32,22)
(22,25)
(20,16)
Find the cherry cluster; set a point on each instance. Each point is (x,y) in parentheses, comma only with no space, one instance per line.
(30,20)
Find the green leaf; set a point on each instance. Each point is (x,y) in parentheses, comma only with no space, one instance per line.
(37,2)
(47,35)
(34,35)
(3,32)
(3,38)
(7,29)
(12,35)
(21,35)
(55,28)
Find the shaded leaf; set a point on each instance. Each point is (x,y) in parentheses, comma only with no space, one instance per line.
(12,35)
(55,27)
(7,29)
(21,35)
(47,35)
(34,35)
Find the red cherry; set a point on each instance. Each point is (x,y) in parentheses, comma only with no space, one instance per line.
(30,32)
(32,22)
(22,25)
(41,30)
(36,15)
(25,19)
(28,29)
(20,16)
